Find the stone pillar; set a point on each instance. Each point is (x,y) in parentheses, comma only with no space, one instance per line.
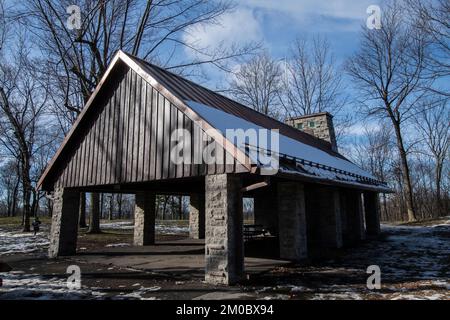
(329,217)
(224,245)
(292,221)
(197,216)
(64,230)
(265,209)
(344,216)
(144,219)
(372,213)
(355,230)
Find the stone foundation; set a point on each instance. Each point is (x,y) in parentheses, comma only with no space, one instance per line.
(197,216)
(292,221)
(144,219)
(64,229)
(224,246)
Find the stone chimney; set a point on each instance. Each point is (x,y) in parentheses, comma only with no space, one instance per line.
(319,125)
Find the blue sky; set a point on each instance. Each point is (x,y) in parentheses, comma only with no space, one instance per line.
(277,23)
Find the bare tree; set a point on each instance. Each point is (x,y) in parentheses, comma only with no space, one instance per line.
(10,181)
(152,30)
(312,82)
(375,154)
(432,16)
(22,101)
(389,71)
(257,84)
(433,124)
(45,148)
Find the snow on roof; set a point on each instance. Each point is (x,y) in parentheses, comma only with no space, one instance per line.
(287,146)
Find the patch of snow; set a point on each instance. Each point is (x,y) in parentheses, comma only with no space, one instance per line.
(160,228)
(138,294)
(297,289)
(35,287)
(337,296)
(18,242)
(114,245)
(414,263)
(423,296)
(277,297)
(444,224)
(171,230)
(119,225)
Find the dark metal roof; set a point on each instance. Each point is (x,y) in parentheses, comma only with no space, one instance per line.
(188,90)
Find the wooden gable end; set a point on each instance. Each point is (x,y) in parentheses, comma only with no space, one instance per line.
(127,139)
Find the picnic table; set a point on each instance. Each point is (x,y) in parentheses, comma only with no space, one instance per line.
(252,231)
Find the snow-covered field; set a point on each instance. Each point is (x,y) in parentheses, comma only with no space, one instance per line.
(414,263)
(160,228)
(17,242)
(18,285)
(12,242)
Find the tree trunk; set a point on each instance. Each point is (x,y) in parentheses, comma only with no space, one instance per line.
(9,205)
(14,203)
(438,189)
(119,206)
(101,206)
(26,200)
(166,199)
(50,207)
(94,223)
(34,204)
(385,209)
(406,174)
(181,208)
(82,222)
(111,206)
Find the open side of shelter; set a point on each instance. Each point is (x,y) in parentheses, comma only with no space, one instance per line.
(122,142)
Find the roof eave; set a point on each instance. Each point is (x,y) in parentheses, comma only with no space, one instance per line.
(326,181)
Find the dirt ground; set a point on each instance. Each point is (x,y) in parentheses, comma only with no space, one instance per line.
(414,261)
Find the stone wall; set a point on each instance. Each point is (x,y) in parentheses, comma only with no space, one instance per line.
(323,127)
(224,246)
(197,216)
(64,229)
(292,221)
(144,219)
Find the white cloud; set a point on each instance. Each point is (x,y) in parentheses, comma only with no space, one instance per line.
(344,9)
(360,129)
(239,26)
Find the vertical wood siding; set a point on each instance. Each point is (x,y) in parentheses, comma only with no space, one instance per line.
(128,140)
